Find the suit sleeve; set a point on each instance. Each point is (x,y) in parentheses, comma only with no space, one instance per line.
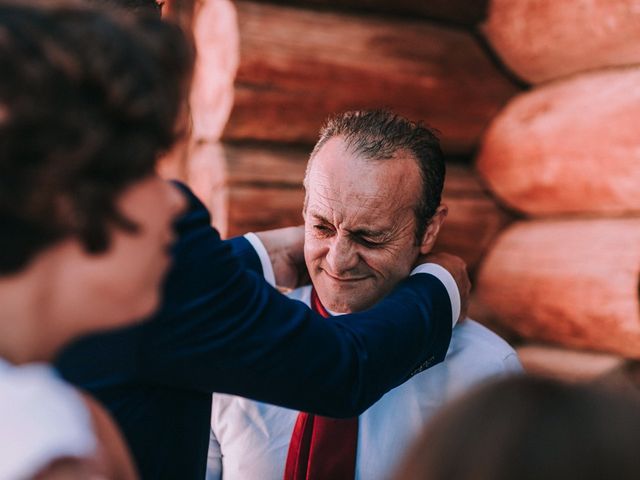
(246,254)
(224,329)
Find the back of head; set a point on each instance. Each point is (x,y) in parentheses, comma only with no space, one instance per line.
(529,428)
(88,101)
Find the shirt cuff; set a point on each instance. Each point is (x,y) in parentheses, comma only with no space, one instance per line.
(449,283)
(265,261)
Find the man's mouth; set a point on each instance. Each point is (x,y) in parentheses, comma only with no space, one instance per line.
(348,279)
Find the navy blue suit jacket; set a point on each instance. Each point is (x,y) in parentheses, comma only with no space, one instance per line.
(222,328)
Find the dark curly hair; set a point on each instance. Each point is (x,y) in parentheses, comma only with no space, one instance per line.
(88,101)
(380,135)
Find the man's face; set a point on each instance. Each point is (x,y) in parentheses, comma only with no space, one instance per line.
(359,225)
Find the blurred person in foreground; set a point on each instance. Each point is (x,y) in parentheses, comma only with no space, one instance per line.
(87,103)
(530,428)
(373,206)
(222,328)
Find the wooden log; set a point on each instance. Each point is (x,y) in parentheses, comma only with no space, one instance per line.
(570,282)
(568,147)
(566,364)
(263,188)
(474,218)
(215,34)
(215,30)
(541,40)
(257,187)
(463,12)
(248,188)
(298,66)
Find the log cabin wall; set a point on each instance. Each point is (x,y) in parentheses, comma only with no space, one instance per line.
(566,155)
(537,102)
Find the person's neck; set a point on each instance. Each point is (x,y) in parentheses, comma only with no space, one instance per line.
(24,336)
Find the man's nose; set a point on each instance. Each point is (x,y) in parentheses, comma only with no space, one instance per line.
(341,256)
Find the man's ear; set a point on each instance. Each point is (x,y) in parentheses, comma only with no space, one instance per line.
(304,207)
(431,233)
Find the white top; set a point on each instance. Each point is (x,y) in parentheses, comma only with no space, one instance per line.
(41,419)
(250,440)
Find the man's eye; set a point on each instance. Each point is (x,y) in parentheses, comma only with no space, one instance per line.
(368,243)
(323,229)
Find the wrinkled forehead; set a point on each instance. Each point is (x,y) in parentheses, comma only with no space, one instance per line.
(340,169)
(346,187)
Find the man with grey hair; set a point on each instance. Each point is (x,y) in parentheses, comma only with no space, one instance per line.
(372,207)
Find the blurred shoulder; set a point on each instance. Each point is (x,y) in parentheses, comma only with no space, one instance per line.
(43,419)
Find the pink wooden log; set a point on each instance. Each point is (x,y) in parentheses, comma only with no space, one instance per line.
(567,364)
(540,40)
(570,282)
(568,147)
(216,36)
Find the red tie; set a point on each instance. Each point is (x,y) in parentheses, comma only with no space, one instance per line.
(322,448)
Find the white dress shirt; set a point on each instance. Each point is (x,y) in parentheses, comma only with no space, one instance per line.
(41,419)
(250,440)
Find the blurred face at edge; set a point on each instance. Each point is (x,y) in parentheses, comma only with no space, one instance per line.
(123,283)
